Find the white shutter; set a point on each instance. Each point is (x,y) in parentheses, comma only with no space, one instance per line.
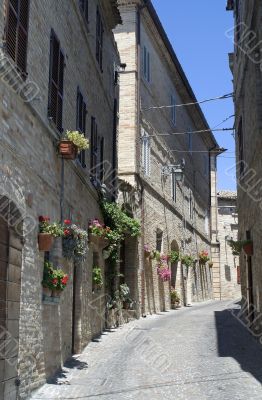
(146,152)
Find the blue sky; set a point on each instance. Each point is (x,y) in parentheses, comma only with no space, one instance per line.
(196,29)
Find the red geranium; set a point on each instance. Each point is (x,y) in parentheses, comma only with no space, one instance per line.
(66,232)
(43,219)
(64,280)
(55,281)
(67,222)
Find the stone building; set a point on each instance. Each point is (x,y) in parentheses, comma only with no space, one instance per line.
(175,214)
(58,72)
(246,65)
(229,287)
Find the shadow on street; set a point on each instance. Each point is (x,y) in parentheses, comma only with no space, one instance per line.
(234,340)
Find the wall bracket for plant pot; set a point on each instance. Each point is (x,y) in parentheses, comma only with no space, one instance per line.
(67,150)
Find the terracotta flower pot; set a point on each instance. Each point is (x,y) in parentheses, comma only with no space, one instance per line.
(68,150)
(248,249)
(98,241)
(47,291)
(45,241)
(56,293)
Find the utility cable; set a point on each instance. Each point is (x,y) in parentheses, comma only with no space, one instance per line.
(224,97)
(189,132)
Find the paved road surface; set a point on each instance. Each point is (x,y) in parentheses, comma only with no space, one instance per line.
(196,353)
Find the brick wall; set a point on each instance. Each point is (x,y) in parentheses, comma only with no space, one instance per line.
(30,174)
(157,209)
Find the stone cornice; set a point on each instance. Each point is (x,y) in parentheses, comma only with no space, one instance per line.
(129,2)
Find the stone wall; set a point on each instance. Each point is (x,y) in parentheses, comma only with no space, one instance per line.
(228,229)
(247,73)
(157,210)
(30,175)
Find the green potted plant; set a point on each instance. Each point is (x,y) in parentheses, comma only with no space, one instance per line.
(203,257)
(75,240)
(54,280)
(187,260)
(247,246)
(99,234)
(175,299)
(124,295)
(174,256)
(236,246)
(97,277)
(72,144)
(47,233)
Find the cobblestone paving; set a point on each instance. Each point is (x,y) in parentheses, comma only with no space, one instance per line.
(196,353)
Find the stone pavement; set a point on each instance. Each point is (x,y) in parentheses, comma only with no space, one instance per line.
(196,353)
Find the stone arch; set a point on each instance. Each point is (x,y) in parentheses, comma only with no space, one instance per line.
(11,245)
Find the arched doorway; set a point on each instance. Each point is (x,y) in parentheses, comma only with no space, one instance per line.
(10,290)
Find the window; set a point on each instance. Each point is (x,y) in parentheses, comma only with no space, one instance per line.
(240,147)
(206,222)
(56,82)
(17,31)
(173,186)
(190,141)
(206,164)
(191,206)
(146,152)
(146,64)
(101,160)
(84,8)
(93,149)
(173,109)
(99,39)
(159,240)
(81,123)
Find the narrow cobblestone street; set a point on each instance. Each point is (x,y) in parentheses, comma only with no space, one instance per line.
(195,353)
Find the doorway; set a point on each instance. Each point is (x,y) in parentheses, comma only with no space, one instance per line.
(10,290)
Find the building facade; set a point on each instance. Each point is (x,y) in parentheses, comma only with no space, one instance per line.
(230,287)
(246,65)
(175,214)
(58,72)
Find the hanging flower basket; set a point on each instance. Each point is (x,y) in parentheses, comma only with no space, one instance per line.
(45,241)
(68,149)
(248,248)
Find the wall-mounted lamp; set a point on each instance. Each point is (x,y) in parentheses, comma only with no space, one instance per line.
(177,170)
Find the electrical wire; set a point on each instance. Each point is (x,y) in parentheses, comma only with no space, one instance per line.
(224,97)
(189,132)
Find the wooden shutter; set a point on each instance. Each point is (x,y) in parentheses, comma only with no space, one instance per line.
(81,123)
(56,84)
(17,32)
(101,161)
(238,276)
(93,148)
(84,7)
(146,153)
(241,147)
(99,39)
